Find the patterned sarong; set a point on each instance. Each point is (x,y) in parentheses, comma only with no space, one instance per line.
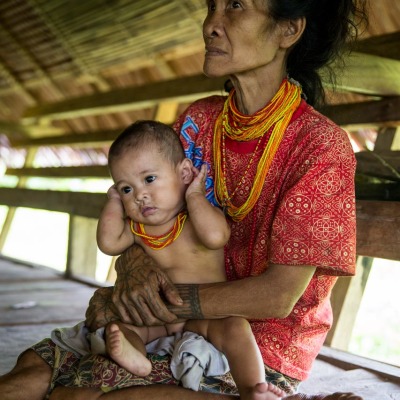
(101,372)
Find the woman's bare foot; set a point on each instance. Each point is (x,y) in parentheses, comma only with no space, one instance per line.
(334,396)
(263,391)
(123,353)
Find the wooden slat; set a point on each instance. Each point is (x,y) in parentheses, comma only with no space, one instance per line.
(97,171)
(77,203)
(383,45)
(184,89)
(378,233)
(382,164)
(87,139)
(383,112)
(377,221)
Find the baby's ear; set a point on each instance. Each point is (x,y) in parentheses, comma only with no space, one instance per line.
(186,171)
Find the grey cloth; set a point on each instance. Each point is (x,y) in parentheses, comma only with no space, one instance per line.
(191,355)
(79,340)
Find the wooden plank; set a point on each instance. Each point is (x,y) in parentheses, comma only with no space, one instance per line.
(371,75)
(184,89)
(377,191)
(346,298)
(348,361)
(380,164)
(381,112)
(87,139)
(386,45)
(77,203)
(377,221)
(97,171)
(378,233)
(82,247)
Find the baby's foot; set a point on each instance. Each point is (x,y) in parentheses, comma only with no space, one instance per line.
(122,352)
(263,391)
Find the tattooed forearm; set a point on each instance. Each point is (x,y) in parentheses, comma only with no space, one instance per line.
(191,308)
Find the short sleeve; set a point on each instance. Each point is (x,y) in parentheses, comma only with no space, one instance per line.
(315,223)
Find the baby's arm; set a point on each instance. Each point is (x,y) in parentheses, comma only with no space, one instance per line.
(208,221)
(113,229)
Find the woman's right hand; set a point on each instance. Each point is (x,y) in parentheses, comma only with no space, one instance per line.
(138,290)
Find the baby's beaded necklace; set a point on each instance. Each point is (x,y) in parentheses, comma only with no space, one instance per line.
(236,126)
(160,242)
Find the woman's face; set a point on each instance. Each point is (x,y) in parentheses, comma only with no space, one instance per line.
(239,37)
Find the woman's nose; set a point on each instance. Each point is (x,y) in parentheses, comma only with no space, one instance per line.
(213,24)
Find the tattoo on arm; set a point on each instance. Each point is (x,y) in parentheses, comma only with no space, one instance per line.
(191,308)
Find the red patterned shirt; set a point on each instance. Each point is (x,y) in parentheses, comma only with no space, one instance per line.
(304,216)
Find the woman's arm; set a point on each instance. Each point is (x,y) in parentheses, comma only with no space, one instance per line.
(272,294)
(208,221)
(113,231)
(142,289)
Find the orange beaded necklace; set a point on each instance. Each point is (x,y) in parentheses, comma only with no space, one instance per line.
(160,242)
(236,126)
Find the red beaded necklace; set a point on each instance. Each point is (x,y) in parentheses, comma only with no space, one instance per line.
(162,241)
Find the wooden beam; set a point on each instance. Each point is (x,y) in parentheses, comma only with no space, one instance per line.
(386,45)
(76,203)
(371,75)
(185,89)
(97,171)
(382,164)
(378,233)
(377,221)
(377,191)
(381,112)
(82,140)
(366,74)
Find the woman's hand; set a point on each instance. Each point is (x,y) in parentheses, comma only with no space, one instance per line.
(138,290)
(101,309)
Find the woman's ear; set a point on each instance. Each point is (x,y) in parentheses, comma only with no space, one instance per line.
(186,171)
(292,30)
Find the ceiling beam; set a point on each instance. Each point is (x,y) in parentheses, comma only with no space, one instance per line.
(82,140)
(383,45)
(364,74)
(181,90)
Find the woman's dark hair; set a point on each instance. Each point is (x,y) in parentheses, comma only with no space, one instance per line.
(146,133)
(330,25)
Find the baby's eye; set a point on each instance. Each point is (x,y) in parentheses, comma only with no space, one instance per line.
(126,189)
(150,179)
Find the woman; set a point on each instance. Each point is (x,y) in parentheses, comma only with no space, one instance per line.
(284,175)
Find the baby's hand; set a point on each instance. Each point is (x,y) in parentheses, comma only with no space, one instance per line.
(199,180)
(112,193)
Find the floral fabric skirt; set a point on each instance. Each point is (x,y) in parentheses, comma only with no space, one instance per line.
(101,372)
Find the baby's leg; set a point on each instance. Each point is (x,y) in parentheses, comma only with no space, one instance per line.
(233,336)
(125,344)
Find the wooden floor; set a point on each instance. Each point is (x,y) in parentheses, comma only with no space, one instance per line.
(34,300)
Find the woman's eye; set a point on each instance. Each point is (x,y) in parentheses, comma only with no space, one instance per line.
(126,189)
(150,179)
(236,4)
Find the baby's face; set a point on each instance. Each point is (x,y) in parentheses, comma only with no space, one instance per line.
(150,186)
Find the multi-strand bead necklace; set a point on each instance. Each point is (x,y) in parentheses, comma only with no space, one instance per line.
(160,242)
(236,126)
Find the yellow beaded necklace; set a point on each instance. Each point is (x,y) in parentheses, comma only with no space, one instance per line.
(236,126)
(160,242)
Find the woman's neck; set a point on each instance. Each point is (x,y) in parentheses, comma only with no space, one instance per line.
(254,92)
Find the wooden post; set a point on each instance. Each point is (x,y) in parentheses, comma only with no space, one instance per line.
(82,247)
(346,299)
